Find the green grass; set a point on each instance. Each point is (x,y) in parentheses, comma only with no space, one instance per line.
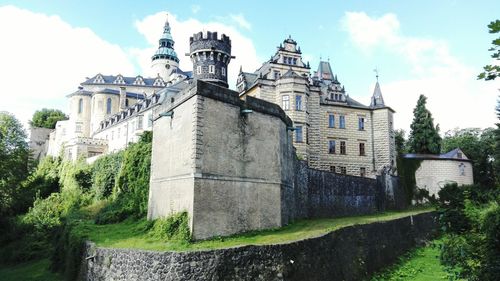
(29,271)
(133,234)
(421,264)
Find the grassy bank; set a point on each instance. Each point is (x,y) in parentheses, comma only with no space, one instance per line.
(421,264)
(29,271)
(131,234)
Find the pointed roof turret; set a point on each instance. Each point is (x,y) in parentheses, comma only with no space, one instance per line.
(325,71)
(377,99)
(166,45)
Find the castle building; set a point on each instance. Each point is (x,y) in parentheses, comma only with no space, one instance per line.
(109,111)
(332,131)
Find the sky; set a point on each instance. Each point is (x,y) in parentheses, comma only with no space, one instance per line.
(435,48)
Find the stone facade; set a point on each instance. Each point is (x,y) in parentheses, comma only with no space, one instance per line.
(350,253)
(324,115)
(107,112)
(38,141)
(207,160)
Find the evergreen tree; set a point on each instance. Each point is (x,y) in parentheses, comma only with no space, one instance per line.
(424,137)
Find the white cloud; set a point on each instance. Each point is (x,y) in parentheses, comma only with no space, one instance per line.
(152,27)
(241,21)
(455,97)
(44,58)
(195,9)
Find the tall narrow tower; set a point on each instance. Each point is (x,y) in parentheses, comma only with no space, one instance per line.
(210,56)
(165,61)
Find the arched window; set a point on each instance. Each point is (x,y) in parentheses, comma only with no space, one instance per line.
(108,106)
(80,105)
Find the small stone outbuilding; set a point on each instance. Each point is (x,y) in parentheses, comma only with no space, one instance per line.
(436,171)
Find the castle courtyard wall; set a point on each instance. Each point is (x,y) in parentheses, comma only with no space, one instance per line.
(434,174)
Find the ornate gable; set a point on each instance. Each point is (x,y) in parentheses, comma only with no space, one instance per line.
(99,79)
(119,80)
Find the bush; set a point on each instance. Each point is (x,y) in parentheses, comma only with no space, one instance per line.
(104,174)
(130,195)
(46,213)
(175,227)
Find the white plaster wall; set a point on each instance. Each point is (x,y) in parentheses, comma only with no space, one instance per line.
(434,174)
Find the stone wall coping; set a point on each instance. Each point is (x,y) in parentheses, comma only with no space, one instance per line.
(92,244)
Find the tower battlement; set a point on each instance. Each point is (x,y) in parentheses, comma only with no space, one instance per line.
(210,55)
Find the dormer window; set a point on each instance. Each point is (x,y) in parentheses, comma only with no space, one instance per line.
(99,79)
(119,80)
(459,155)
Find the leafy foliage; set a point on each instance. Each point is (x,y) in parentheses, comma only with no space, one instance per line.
(130,195)
(493,71)
(175,227)
(47,118)
(424,137)
(470,219)
(104,174)
(14,162)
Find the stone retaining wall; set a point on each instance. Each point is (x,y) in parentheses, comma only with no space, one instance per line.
(350,253)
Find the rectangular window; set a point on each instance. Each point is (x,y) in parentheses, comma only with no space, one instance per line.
(362,149)
(78,127)
(150,120)
(332,169)
(342,121)
(343,170)
(331,121)
(118,134)
(298,103)
(139,123)
(276,75)
(198,69)
(361,123)
(211,69)
(342,147)
(112,135)
(223,70)
(307,135)
(362,171)
(286,102)
(132,126)
(298,134)
(331,146)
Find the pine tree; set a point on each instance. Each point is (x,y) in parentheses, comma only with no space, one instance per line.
(424,137)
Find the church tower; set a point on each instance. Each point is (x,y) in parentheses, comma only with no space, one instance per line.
(165,61)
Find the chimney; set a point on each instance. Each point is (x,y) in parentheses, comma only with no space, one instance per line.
(123,98)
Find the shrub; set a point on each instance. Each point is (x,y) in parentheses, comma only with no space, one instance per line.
(175,227)
(104,173)
(130,195)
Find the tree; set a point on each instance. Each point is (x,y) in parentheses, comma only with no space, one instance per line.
(479,146)
(47,118)
(424,137)
(493,71)
(14,158)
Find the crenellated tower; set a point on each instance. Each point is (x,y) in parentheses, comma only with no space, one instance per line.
(210,56)
(165,61)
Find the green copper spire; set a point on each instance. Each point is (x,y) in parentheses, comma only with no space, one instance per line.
(166,46)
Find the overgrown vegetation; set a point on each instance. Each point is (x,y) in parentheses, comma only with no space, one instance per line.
(53,210)
(420,264)
(470,221)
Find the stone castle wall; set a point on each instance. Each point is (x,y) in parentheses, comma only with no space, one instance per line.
(234,171)
(350,253)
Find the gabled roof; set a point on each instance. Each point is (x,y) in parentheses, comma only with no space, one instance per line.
(110,79)
(455,154)
(291,74)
